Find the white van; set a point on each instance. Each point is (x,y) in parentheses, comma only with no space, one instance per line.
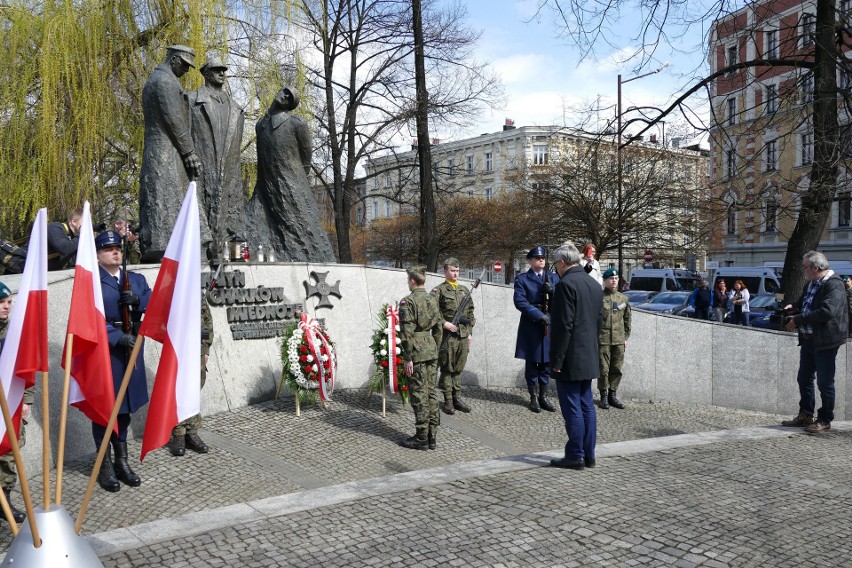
(760,280)
(664,279)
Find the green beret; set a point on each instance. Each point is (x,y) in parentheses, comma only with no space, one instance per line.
(610,272)
(4,291)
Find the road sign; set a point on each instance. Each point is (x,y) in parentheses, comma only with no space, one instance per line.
(498,266)
(649,256)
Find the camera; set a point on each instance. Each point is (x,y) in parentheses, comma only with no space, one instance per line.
(780,315)
(99,228)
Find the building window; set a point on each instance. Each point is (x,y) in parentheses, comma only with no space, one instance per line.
(488,162)
(732,111)
(375,209)
(451,167)
(376,182)
(808,29)
(772,44)
(808,88)
(540,154)
(845,142)
(469,165)
(845,12)
(771,216)
(387,180)
(732,220)
(731,162)
(807,155)
(360,217)
(732,58)
(436,170)
(488,194)
(771,99)
(387,208)
(844,209)
(771,156)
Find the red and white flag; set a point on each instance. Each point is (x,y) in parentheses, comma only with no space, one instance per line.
(25,351)
(173,318)
(91,388)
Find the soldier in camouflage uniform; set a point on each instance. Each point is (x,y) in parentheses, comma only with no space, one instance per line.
(612,339)
(453,357)
(8,474)
(419,333)
(185,435)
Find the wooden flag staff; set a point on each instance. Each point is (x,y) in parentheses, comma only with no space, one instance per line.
(119,397)
(63,417)
(45,445)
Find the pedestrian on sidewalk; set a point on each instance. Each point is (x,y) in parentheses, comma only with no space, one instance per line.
(613,339)
(822,321)
(419,334)
(576,325)
(720,300)
(453,357)
(533,293)
(702,300)
(739,298)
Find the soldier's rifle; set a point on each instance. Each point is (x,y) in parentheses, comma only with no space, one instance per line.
(460,310)
(126,322)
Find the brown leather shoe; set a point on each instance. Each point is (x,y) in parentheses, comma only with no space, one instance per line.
(818,427)
(798,421)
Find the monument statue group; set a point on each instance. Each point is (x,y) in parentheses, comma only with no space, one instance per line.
(199,136)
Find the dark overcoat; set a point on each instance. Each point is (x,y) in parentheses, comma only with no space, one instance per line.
(576,322)
(532,344)
(137,390)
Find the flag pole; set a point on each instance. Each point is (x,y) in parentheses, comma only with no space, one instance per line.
(45,445)
(119,397)
(19,464)
(63,417)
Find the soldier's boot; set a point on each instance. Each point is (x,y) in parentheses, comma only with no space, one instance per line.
(533,405)
(613,400)
(416,442)
(122,468)
(19,516)
(604,400)
(447,405)
(459,404)
(542,399)
(195,443)
(177,446)
(432,441)
(106,475)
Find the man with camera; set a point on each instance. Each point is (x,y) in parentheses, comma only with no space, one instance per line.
(822,320)
(62,239)
(533,292)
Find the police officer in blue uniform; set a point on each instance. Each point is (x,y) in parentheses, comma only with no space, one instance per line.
(108,245)
(533,289)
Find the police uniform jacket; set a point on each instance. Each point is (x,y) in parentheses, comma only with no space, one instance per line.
(532,344)
(616,318)
(137,390)
(575,325)
(419,327)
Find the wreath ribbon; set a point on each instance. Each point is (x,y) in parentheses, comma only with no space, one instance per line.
(393,320)
(315,339)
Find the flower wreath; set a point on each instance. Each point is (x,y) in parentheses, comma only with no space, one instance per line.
(389,360)
(309,359)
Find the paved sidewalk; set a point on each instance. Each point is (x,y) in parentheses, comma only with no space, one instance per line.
(332,487)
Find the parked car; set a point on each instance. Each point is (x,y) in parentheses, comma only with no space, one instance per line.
(635,297)
(760,308)
(666,303)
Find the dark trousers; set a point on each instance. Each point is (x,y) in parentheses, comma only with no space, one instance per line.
(98,431)
(822,364)
(702,312)
(536,373)
(578,410)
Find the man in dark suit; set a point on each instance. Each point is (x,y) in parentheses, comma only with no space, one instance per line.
(116,298)
(575,325)
(533,291)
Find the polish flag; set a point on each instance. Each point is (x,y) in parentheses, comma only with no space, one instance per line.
(91,388)
(173,318)
(25,351)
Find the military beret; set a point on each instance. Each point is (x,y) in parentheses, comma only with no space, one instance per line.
(107,239)
(4,291)
(452,261)
(537,251)
(610,272)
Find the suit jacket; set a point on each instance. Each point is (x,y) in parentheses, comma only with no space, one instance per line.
(137,390)
(576,322)
(532,344)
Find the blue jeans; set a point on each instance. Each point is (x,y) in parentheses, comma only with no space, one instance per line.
(822,364)
(578,410)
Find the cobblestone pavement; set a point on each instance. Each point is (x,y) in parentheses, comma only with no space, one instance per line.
(740,501)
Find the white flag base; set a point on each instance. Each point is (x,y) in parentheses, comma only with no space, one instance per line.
(60,546)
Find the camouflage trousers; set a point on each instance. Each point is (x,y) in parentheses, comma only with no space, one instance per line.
(452,362)
(193,423)
(612,358)
(424,397)
(8,473)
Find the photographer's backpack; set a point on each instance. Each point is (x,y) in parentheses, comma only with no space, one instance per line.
(12,257)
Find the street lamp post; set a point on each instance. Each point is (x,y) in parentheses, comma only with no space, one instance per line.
(620,205)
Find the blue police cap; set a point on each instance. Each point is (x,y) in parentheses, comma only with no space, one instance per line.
(107,239)
(537,251)
(4,291)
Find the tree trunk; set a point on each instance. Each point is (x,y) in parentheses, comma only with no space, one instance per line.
(427,251)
